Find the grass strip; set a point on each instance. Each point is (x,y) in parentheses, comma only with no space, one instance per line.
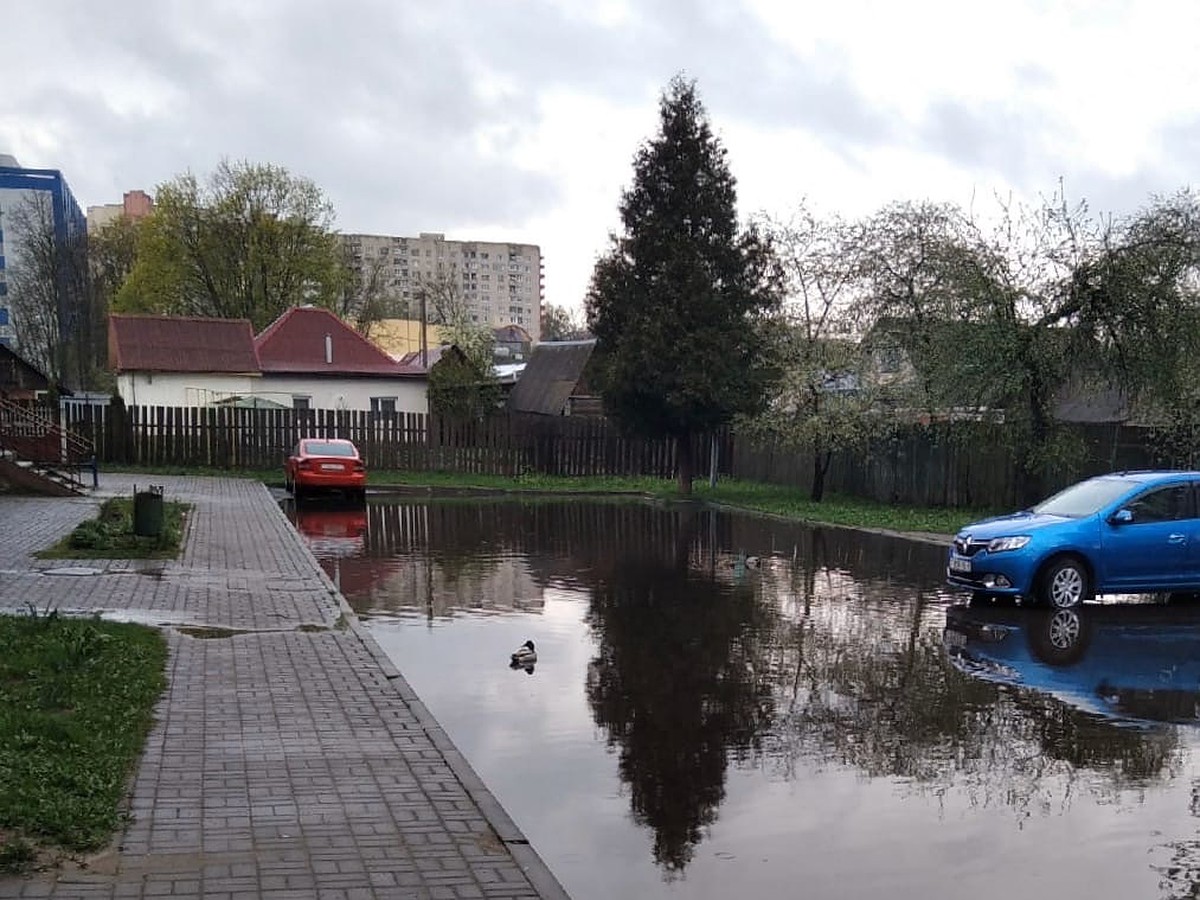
(110,535)
(781,500)
(76,702)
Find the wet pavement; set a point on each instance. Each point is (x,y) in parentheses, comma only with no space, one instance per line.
(728,705)
(289,758)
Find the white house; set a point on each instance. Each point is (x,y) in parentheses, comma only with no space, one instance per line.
(312,359)
(306,359)
(181,361)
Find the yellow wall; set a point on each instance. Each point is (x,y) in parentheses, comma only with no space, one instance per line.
(400,336)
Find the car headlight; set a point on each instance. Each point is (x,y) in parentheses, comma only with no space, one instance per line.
(1016,542)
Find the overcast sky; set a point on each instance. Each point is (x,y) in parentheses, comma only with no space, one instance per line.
(508,120)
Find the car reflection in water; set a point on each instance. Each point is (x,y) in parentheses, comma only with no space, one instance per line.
(331,528)
(1128,662)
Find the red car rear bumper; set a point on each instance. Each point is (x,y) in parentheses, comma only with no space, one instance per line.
(317,479)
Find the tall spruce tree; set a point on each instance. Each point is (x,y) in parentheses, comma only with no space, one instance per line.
(679,304)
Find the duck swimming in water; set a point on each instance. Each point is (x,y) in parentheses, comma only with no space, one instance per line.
(525,655)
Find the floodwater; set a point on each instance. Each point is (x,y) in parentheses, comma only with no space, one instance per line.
(726,705)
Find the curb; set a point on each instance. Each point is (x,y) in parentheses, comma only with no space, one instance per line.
(533,866)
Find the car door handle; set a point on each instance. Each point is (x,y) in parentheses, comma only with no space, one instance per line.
(1176,538)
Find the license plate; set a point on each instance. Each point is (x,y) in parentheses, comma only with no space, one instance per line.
(958,564)
(332,467)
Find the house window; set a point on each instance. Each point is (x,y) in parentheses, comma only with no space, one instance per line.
(383,405)
(301,401)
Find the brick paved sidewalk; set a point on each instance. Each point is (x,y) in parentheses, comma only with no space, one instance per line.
(289,758)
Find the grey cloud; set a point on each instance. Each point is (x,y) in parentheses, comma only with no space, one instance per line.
(982,135)
(1006,144)
(383,104)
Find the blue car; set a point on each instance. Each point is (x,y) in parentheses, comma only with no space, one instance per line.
(1135,662)
(1125,533)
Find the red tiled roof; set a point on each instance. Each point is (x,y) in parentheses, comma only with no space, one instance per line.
(180,344)
(295,342)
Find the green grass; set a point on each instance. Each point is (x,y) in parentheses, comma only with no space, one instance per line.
(530,482)
(76,701)
(789,502)
(793,503)
(110,535)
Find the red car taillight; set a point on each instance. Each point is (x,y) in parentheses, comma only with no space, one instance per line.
(305,465)
(359,466)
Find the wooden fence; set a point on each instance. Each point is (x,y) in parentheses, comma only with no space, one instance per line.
(958,466)
(963,465)
(232,438)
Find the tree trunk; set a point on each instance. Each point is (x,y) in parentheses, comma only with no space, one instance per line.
(683,459)
(821,461)
(1033,461)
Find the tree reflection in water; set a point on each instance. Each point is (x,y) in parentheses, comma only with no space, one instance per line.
(679,688)
(809,664)
(829,654)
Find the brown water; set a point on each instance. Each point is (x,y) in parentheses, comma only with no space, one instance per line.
(725,705)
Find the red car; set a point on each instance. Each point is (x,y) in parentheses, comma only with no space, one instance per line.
(325,464)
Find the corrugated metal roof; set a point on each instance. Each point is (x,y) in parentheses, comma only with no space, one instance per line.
(295,343)
(180,344)
(550,376)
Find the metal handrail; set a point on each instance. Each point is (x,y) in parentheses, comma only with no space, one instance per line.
(24,432)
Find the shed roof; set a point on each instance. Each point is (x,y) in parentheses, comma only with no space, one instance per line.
(550,377)
(180,344)
(19,378)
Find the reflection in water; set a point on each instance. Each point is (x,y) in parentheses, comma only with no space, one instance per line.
(718,644)
(680,687)
(1136,662)
(332,529)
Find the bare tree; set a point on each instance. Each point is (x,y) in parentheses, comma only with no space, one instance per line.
(823,401)
(366,295)
(49,289)
(440,299)
(561,324)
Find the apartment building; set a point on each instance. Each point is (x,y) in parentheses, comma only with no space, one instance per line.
(134,206)
(20,190)
(498,283)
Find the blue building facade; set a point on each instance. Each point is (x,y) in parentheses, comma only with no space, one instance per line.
(17,185)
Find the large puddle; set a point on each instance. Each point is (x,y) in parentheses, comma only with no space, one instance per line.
(724,705)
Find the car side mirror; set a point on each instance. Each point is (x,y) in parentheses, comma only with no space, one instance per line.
(1121,517)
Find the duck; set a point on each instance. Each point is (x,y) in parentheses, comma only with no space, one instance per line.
(525,655)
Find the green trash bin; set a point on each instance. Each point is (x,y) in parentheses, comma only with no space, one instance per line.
(148,512)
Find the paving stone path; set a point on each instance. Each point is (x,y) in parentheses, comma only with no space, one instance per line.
(289,758)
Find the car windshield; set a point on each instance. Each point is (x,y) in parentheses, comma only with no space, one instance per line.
(329,448)
(1085,498)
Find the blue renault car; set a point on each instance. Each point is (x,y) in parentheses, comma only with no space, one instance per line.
(1124,533)
(1135,662)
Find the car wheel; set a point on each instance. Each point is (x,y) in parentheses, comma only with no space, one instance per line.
(1059,637)
(1064,583)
